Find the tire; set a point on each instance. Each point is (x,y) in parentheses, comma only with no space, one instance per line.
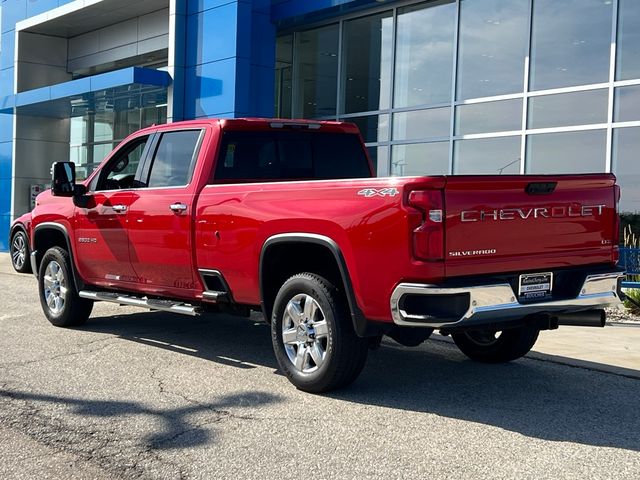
(58,295)
(313,337)
(20,253)
(485,346)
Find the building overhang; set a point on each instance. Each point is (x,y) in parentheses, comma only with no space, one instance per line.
(72,98)
(81,16)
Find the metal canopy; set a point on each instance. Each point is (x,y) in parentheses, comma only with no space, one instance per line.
(124,89)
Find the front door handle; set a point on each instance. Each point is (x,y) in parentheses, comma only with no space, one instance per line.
(119,208)
(178,207)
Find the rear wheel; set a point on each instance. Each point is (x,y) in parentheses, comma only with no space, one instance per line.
(494,346)
(313,337)
(58,295)
(20,252)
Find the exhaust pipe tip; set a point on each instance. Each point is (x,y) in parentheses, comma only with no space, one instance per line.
(589,318)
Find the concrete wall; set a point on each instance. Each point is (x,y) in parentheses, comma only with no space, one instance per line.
(39,141)
(138,36)
(42,61)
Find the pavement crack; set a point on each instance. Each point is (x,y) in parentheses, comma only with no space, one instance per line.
(8,365)
(201,405)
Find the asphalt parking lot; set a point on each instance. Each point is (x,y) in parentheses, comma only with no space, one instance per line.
(136,394)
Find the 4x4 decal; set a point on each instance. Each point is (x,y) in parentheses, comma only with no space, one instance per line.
(382,192)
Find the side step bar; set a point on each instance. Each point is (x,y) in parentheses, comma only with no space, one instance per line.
(144,302)
(216,297)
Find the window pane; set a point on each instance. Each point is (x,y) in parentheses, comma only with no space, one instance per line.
(283,87)
(373,128)
(317,72)
(499,116)
(628,53)
(100,151)
(174,158)
(627,106)
(420,159)
(78,155)
(422,124)
(367,63)
(103,126)
(492,48)
(153,116)
(626,145)
(571,42)
(339,157)
(250,156)
(566,109)
(424,55)
(571,152)
(78,130)
(378,156)
(492,156)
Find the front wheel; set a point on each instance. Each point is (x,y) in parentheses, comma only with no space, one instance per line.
(58,296)
(20,252)
(492,346)
(313,337)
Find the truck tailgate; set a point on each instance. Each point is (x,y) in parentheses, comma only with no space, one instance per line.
(532,223)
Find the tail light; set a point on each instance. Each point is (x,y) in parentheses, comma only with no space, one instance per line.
(616,226)
(428,236)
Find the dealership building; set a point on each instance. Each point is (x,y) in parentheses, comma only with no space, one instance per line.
(436,87)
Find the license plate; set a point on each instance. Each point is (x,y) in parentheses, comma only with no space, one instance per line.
(535,286)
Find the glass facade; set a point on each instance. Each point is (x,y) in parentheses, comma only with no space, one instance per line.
(477,86)
(94,134)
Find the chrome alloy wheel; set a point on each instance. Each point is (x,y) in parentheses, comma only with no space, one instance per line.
(19,251)
(55,287)
(305,333)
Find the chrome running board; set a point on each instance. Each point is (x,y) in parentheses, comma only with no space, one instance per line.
(173,306)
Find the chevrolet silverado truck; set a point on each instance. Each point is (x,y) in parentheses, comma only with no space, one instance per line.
(286,217)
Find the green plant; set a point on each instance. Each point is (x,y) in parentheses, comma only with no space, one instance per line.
(633,295)
(629,223)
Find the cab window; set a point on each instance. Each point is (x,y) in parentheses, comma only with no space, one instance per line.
(174,159)
(121,170)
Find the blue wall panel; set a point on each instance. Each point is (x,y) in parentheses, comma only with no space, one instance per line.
(36,7)
(5,160)
(211,88)
(230,58)
(5,222)
(12,12)
(212,35)
(8,49)
(5,197)
(6,82)
(195,6)
(6,127)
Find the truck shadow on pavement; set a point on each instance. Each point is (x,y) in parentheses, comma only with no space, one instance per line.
(179,426)
(535,398)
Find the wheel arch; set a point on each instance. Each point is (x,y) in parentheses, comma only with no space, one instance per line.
(18,226)
(51,234)
(334,267)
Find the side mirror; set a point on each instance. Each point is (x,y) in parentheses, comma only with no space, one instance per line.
(63,179)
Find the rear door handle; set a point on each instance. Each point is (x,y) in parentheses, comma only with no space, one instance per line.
(119,208)
(178,207)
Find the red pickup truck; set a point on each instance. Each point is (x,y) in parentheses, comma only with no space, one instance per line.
(286,217)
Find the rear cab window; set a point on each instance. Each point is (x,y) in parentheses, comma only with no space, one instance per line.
(289,155)
(174,158)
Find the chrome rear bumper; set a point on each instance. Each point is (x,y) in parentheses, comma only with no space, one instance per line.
(495,303)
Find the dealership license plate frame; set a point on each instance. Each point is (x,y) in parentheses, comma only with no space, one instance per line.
(535,286)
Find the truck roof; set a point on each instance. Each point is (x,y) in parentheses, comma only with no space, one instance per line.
(261,124)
